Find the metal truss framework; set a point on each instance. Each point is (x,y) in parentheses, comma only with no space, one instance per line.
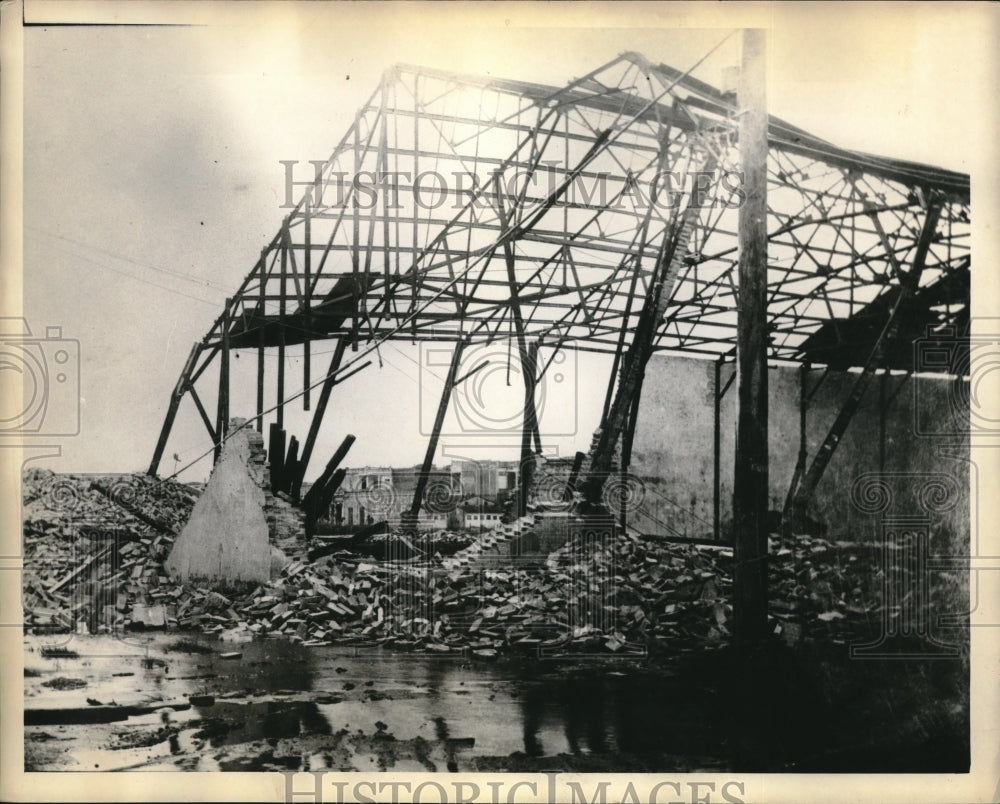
(466,209)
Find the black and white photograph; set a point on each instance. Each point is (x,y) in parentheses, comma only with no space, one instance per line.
(499,402)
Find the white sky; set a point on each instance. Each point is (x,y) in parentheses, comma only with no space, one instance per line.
(152,175)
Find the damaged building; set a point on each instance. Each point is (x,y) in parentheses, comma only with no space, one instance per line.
(790,362)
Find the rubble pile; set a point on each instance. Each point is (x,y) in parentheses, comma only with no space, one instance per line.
(612,597)
(622,594)
(94,545)
(494,544)
(820,587)
(439,542)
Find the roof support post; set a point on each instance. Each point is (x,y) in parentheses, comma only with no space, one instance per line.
(306,302)
(222,416)
(175,400)
(410,517)
(280,413)
(908,284)
(260,344)
(317,418)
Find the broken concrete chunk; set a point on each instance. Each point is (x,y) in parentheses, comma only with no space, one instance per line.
(226,538)
(150,616)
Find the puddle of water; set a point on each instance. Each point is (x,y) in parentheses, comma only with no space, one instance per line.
(279,705)
(382,710)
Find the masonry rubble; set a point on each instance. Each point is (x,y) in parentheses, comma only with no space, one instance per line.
(107,553)
(620,595)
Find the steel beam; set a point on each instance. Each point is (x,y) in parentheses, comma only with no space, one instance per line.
(222,417)
(908,284)
(317,418)
(410,522)
(633,366)
(175,400)
(432,279)
(316,491)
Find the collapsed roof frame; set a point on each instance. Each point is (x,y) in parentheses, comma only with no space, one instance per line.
(508,242)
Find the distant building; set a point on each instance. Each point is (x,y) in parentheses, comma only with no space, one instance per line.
(490,480)
(477,513)
(371,494)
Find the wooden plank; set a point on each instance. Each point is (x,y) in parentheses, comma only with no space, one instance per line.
(291,465)
(154,523)
(574,473)
(203,413)
(81,569)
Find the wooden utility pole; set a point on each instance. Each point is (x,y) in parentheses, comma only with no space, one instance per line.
(529,427)
(750,486)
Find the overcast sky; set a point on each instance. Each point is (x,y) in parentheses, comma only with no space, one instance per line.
(153,178)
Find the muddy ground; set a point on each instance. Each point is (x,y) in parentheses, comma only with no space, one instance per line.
(182,701)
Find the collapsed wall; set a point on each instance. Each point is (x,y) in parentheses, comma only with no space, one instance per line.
(230,534)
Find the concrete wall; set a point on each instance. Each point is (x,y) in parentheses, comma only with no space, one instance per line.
(673,451)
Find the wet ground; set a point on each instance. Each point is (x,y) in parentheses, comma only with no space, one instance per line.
(181,701)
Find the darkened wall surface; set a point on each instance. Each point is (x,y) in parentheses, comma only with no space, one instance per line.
(673,448)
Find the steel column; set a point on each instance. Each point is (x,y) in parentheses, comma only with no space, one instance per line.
(425,469)
(222,417)
(908,284)
(175,400)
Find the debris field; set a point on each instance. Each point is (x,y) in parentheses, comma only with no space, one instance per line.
(95,547)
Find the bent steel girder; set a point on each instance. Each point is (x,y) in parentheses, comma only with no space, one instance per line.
(447,187)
